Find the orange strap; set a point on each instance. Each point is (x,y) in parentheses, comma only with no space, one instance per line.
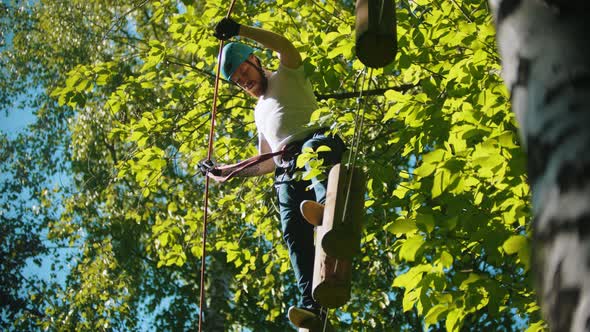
(244,164)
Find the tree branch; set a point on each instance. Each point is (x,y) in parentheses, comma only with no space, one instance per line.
(122,17)
(353,94)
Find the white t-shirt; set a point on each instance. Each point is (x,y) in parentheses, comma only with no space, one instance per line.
(283,112)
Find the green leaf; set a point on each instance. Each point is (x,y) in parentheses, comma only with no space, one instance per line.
(418,38)
(430,162)
(312,173)
(518,244)
(192,48)
(304,158)
(442,180)
(344,49)
(539,326)
(172,207)
(163,238)
(137,135)
(446,259)
(410,299)
(506,139)
(410,247)
(435,156)
(432,316)
(401,227)
(470,279)
(404,61)
(323,148)
(396,96)
(425,170)
(454,320)
(410,279)
(514,243)
(400,191)
(148,85)
(426,221)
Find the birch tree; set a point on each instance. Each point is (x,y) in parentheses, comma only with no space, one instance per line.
(546,64)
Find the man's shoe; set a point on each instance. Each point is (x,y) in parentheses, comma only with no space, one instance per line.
(309,318)
(312,211)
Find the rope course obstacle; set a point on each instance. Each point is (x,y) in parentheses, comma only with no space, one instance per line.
(338,222)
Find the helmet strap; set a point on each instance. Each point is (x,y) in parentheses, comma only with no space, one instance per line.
(258,67)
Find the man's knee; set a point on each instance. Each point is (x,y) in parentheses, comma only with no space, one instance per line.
(330,157)
(296,230)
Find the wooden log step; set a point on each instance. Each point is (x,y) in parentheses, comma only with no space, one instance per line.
(343,212)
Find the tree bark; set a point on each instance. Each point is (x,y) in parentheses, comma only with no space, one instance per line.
(545,50)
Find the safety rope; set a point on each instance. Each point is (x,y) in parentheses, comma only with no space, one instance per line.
(325,319)
(356,138)
(209,155)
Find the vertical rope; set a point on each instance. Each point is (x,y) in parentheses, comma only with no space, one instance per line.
(325,319)
(356,138)
(356,118)
(209,155)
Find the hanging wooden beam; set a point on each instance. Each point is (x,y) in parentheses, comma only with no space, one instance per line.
(376,36)
(338,234)
(344,212)
(332,278)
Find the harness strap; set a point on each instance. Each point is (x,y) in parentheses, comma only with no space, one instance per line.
(245,164)
(288,151)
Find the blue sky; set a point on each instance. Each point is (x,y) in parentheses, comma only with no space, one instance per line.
(15,121)
(12,123)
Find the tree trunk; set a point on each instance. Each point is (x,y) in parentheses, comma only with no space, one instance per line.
(217,292)
(545,49)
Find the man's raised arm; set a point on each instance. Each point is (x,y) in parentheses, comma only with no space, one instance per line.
(289,55)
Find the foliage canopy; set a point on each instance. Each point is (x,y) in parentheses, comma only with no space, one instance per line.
(127,88)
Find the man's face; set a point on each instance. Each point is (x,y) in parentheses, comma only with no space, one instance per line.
(249,78)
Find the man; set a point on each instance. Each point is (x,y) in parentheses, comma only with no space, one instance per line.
(282,113)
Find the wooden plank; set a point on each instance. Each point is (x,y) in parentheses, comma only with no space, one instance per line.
(338,237)
(344,212)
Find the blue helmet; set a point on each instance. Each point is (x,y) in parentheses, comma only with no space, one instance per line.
(232,56)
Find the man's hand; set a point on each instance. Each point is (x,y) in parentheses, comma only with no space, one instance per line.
(208,166)
(226,28)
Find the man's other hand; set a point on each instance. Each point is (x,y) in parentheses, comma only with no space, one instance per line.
(208,166)
(226,28)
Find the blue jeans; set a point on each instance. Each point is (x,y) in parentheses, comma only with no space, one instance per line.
(298,233)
